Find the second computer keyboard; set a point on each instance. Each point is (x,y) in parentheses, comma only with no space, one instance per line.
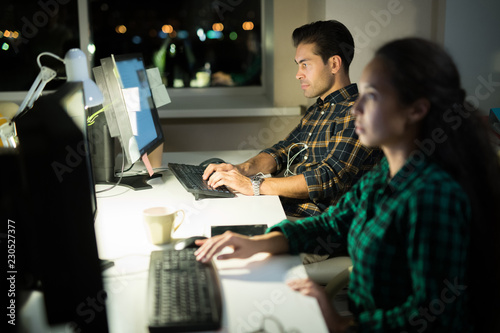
(184,295)
(191,177)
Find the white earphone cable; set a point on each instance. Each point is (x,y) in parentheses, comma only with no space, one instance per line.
(289,162)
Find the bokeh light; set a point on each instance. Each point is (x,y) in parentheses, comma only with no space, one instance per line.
(214,34)
(137,40)
(167,28)
(121,29)
(91,48)
(201,34)
(248,25)
(217,27)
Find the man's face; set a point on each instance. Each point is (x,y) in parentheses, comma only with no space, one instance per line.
(316,77)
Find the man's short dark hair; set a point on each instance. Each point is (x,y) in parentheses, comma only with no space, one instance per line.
(330,37)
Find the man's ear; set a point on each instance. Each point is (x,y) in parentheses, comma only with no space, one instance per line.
(419,110)
(335,64)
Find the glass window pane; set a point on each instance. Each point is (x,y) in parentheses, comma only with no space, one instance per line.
(28,28)
(187,40)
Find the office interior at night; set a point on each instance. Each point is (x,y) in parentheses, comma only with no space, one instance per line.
(242,113)
(232,116)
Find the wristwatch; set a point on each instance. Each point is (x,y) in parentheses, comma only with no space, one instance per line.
(256,181)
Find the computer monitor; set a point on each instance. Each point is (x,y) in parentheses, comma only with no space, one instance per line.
(130,116)
(57,241)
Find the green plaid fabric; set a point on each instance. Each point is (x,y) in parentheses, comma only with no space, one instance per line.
(408,238)
(334,158)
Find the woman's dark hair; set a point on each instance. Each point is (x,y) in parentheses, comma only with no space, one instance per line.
(422,69)
(330,37)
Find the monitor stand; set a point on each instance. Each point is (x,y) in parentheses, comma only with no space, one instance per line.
(103,159)
(136,182)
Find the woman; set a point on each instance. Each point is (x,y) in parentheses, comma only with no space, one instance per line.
(422,226)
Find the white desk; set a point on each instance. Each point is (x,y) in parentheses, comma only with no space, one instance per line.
(119,225)
(253,289)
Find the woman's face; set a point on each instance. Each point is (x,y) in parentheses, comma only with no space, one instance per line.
(381,120)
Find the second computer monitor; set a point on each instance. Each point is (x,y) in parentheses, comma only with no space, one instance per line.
(130,114)
(145,122)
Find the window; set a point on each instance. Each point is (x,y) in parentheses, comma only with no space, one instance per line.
(187,40)
(29,28)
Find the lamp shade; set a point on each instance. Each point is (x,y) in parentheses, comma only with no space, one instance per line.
(75,62)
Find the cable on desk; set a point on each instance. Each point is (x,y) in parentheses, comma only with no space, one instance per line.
(275,325)
(145,172)
(130,168)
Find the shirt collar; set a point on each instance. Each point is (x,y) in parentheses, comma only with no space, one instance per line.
(339,95)
(410,170)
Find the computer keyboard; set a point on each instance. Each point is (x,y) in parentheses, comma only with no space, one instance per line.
(191,177)
(184,295)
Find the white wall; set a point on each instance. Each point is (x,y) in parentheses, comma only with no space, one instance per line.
(374,22)
(316,10)
(288,15)
(472,36)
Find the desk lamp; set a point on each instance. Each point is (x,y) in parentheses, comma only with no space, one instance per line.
(75,63)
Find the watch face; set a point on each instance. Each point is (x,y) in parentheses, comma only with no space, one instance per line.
(257,179)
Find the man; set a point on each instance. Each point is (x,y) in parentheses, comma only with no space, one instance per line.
(322,157)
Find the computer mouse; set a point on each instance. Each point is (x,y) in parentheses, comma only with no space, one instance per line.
(213,160)
(188,242)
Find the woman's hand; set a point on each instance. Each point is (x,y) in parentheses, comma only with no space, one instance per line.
(243,246)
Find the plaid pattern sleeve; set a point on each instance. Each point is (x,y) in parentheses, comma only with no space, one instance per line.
(325,149)
(408,238)
(321,234)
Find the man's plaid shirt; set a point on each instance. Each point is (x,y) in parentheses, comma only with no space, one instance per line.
(334,158)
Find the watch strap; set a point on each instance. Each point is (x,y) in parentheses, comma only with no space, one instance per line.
(256,181)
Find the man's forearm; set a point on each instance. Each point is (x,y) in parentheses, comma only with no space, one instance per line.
(290,187)
(262,162)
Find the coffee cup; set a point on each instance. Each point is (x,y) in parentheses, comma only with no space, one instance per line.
(160,223)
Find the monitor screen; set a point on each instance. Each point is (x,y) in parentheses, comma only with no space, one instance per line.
(145,122)
(59,211)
